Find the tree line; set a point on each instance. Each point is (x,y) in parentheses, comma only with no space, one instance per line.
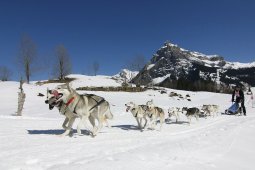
(198,85)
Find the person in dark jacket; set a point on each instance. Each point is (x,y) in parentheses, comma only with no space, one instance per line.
(238,97)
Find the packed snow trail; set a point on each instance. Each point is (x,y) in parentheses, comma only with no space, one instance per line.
(206,144)
(32,141)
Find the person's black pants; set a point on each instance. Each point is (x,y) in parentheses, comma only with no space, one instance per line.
(243,108)
(238,100)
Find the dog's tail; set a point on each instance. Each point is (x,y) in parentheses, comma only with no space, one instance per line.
(109,114)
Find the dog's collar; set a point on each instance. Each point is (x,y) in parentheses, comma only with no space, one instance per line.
(70,101)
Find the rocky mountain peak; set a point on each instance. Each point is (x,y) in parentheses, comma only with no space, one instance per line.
(171,62)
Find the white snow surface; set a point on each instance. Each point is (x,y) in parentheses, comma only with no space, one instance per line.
(31,142)
(95,81)
(150,66)
(238,65)
(160,79)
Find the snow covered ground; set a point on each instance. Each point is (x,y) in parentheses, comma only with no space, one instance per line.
(32,141)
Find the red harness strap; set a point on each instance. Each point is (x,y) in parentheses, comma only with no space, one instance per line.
(70,101)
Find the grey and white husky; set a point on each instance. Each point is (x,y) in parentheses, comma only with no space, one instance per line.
(155,113)
(86,107)
(139,112)
(70,117)
(191,112)
(210,110)
(174,111)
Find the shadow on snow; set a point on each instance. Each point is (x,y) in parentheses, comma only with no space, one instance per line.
(126,127)
(53,132)
(177,123)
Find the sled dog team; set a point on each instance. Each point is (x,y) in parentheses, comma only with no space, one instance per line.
(95,108)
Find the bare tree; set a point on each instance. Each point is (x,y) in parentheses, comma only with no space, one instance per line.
(21,98)
(5,73)
(63,65)
(95,67)
(136,63)
(27,56)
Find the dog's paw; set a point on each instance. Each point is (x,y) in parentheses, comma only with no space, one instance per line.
(92,135)
(71,134)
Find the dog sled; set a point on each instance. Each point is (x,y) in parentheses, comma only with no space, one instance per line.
(234,109)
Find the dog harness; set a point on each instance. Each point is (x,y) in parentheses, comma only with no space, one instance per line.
(70,101)
(150,115)
(98,103)
(136,112)
(88,95)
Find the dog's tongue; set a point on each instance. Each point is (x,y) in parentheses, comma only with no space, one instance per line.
(55,93)
(127,110)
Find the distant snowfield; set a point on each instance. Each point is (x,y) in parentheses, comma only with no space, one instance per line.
(31,142)
(96,81)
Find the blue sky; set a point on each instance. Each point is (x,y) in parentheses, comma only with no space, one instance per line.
(113,31)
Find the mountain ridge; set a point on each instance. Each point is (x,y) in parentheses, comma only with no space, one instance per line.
(172,62)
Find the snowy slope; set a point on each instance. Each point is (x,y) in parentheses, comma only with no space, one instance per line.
(95,81)
(32,142)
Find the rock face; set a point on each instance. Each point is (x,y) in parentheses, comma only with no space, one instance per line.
(172,63)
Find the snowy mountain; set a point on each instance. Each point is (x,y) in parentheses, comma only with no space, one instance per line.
(172,62)
(125,75)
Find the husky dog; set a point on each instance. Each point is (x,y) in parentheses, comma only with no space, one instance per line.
(210,110)
(83,106)
(154,113)
(174,111)
(139,112)
(191,112)
(70,117)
